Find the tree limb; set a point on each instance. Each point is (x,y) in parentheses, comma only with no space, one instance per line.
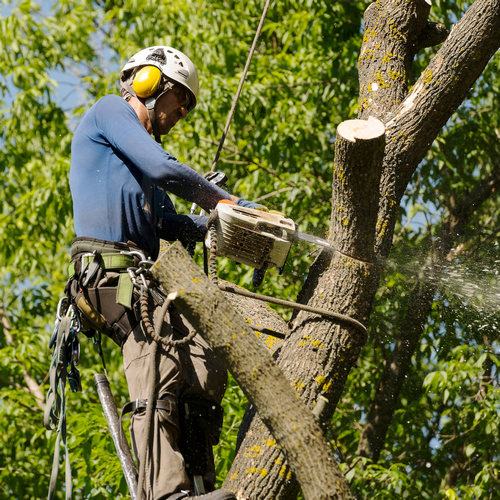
(298,434)
(438,92)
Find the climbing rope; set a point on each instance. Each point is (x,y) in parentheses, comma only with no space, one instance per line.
(240,86)
(166,342)
(153,382)
(212,264)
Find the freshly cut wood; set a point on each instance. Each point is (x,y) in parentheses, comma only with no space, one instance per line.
(361,129)
(359,152)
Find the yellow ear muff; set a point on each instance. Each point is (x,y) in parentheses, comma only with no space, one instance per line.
(146,81)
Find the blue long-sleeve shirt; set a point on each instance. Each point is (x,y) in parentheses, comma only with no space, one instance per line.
(119,179)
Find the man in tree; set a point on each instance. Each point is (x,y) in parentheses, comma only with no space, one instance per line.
(119,181)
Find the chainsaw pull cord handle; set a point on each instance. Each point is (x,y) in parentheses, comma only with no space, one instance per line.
(240,86)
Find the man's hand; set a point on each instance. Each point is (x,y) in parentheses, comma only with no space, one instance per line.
(245,203)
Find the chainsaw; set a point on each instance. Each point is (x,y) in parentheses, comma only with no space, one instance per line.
(262,240)
(257,238)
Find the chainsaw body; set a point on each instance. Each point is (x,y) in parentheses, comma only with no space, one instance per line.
(253,237)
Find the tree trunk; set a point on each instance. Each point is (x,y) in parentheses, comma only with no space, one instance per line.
(293,426)
(314,343)
(318,355)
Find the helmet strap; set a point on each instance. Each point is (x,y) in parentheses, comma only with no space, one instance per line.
(150,104)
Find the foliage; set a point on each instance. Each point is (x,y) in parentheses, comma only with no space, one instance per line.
(55,62)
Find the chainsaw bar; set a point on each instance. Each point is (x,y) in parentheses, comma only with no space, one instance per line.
(310,238)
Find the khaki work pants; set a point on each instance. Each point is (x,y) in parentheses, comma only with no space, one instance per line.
(189,371)
(185,371)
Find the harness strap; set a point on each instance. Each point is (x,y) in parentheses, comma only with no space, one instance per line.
(107,261)
(55,408)
(124,290)
(141,405)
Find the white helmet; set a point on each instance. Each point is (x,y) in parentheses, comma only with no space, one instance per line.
(175,65)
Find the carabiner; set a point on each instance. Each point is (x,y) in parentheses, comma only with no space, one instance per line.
(134,273)
(59,313)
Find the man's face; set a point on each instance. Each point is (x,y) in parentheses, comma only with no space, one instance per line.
(170,108)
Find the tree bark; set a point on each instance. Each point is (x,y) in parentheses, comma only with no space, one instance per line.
(269,327)
(293,426)
(389,46)
(319,353)
(415,122)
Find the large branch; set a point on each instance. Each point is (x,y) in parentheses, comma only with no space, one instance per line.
(433,99)
(393,31)
(386,399)
(291,423)
(318,353)
(269,327)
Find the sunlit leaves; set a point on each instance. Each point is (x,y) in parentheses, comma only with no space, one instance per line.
(56,61)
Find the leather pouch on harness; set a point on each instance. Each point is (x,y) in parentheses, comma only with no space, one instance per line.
(101,312)
(95,294)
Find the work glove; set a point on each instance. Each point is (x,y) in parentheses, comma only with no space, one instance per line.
(258,206)
(250,204)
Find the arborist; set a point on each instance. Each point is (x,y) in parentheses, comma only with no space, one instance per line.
(120,178)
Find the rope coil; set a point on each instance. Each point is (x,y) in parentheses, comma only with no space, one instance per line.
(212,231)
(150,328)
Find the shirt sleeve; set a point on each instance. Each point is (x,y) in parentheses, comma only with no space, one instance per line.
(121,127)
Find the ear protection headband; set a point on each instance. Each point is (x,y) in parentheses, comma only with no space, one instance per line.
(146,81)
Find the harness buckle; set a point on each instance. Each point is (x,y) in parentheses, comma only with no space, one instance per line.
(134,274)
(84,256)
